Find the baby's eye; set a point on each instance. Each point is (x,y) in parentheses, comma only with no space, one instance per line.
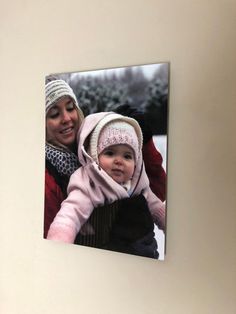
(128,156)
(108,153)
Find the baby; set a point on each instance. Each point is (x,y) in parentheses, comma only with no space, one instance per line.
(112,169)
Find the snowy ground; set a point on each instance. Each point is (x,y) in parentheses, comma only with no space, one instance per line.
(160,142)
(161,145)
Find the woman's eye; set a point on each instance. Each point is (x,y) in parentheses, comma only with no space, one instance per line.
(53,114)
(70,106)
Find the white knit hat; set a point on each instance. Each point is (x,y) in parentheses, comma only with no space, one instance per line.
(57,89)
(115,129)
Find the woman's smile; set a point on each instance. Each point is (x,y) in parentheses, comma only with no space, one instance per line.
(67,130)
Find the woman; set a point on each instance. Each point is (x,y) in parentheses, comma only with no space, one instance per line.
(63,119)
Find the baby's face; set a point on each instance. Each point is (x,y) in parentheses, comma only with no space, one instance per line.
(118,162)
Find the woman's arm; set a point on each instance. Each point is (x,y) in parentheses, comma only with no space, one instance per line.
(52,201)
(155,172)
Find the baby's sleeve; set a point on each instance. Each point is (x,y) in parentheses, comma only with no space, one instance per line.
(74,212)
(157,208)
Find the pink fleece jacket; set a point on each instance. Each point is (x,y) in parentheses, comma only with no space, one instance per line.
(90,187)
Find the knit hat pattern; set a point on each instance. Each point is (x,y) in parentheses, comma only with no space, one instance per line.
(56,90)
(115,133)
(114,130)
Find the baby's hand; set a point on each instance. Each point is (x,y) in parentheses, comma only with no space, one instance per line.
(87,229)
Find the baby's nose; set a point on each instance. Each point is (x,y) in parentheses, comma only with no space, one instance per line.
(118,160)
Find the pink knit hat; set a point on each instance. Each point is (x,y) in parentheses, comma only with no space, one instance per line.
(115,129)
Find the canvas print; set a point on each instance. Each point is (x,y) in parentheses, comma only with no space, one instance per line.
(106,158)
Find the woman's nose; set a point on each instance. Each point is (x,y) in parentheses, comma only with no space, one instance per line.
(65,117)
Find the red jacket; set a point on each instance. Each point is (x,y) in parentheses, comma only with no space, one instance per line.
(155,172)
(54,193)
(52,201)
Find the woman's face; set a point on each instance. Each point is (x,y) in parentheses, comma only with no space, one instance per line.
(62,123)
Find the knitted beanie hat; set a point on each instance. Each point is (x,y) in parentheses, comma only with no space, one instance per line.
(56,90)
(115,129)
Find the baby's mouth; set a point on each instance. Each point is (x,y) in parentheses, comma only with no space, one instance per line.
(117,171)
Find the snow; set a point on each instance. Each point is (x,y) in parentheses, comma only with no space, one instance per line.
(160,142)
(161,145)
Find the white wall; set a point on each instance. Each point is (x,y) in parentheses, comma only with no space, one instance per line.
(198,39)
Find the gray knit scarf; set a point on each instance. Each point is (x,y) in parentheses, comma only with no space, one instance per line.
(65,162)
